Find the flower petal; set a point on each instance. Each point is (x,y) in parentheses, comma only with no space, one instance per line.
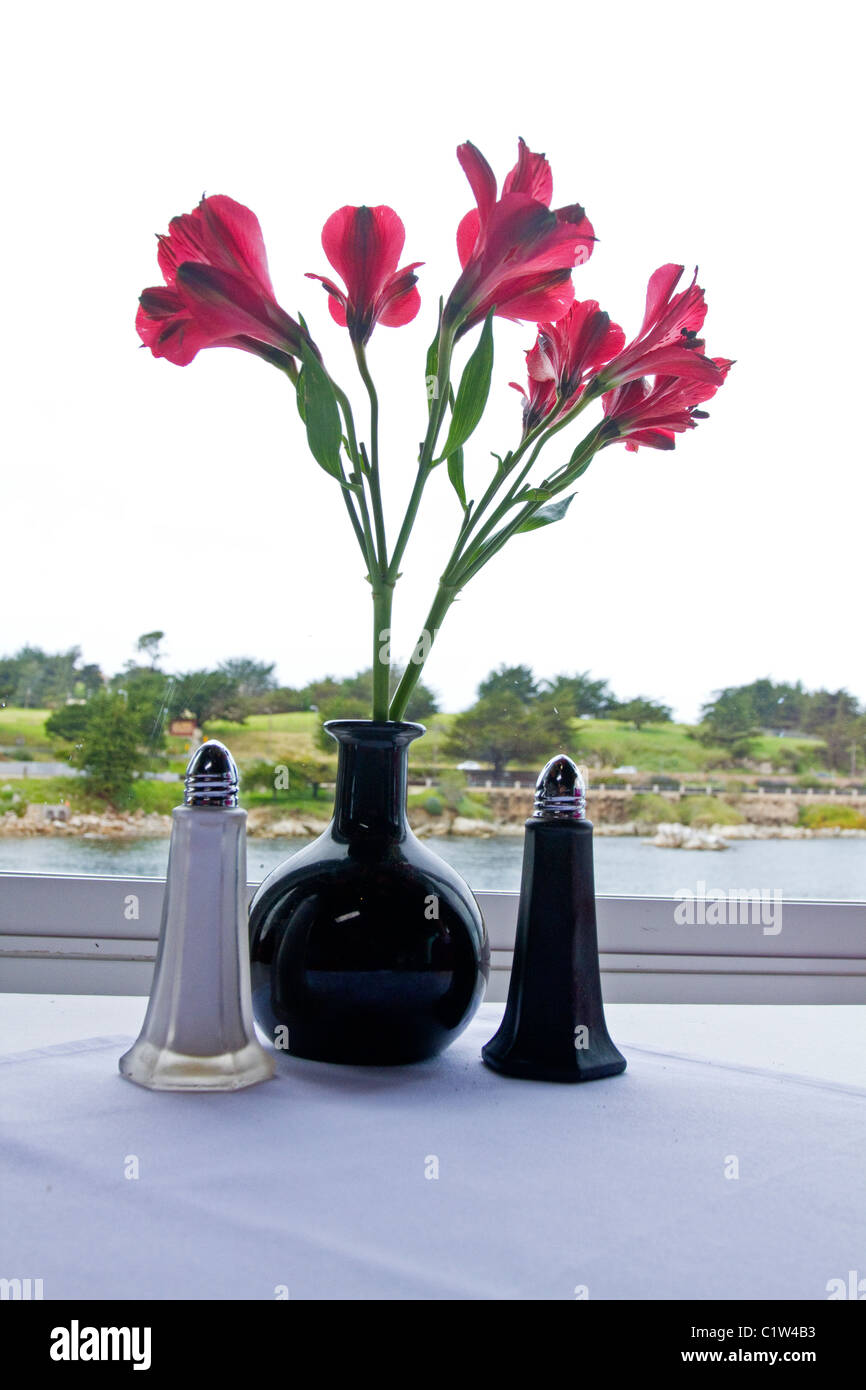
(467,236)
(336,296)
(662,284)
(531,174)
(534,299)
(184,242)
(233,237)
(363,245)
(400,300)
(652,439)
(482,179)
(167,328)
(225,305)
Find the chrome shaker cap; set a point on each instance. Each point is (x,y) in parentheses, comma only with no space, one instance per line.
(560,792)
(211,776)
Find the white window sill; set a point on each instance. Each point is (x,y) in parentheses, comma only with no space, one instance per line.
(98,935)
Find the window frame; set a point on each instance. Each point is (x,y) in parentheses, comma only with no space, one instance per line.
(97,934)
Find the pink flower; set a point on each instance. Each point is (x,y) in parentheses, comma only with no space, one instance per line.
(364,245)
(539,401)
(217,291)
(668,341)
(652,415)
(517,255)
(563,358)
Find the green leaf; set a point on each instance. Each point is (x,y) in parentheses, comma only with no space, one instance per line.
(545,516)
(455,473)
(321,415)
(472,393)
(536,494)
(299,394)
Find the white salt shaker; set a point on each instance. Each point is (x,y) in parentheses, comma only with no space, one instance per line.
(198,1032)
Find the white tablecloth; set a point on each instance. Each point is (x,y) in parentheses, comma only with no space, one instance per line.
(320,1183)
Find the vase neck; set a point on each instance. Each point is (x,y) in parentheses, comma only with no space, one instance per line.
(372,774)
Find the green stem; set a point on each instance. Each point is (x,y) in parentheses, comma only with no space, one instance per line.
(425,459)
(462,567)
(481,553)
(382,600)
(445,596)
(362,528)
(375,486)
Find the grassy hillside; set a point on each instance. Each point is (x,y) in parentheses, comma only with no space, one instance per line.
(666,749)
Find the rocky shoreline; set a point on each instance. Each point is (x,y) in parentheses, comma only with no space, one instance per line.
(775,821)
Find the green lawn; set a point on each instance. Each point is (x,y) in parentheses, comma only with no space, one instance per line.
(146,795)
(268,736)
(666,749)
(28,725)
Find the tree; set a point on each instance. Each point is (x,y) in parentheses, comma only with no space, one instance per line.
(730,720)
(836,718)
(149,643)
(342,707)
(207,695)
(640,711)
(286,774)
(43,678)
(510,680)
(318,692)
(764,703)
(8,677)
(148,693)
(826,707)
(776,706)
(251,677)
(69,722)
(284,699)
(109,749)
(90,679)
(501,728)
(581,694)
(359,687)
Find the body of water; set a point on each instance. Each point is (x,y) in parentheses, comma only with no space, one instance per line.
(819,869)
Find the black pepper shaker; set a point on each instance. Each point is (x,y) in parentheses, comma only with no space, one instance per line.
(554,1027)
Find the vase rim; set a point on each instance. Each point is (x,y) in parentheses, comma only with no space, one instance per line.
(393,732)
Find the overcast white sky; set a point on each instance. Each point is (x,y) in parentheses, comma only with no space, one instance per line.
(139,495)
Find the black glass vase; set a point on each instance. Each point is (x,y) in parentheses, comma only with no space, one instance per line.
(365,946)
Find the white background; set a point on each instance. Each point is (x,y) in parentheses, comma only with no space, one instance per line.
(140,495)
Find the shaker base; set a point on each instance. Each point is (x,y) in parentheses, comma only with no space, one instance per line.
(161,1069)
(536,1071)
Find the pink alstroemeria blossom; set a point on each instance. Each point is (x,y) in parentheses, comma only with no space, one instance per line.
(563,358)
(668,342)
(217,291)
(539,401)
(517,255)
(652,415)
(364,245)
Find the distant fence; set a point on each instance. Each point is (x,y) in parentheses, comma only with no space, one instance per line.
(34,769)
(523,780)
(28,769)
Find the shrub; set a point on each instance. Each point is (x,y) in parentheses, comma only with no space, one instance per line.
(703,811)
(827,816)
(650,808)
(433,806)
(452,788)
